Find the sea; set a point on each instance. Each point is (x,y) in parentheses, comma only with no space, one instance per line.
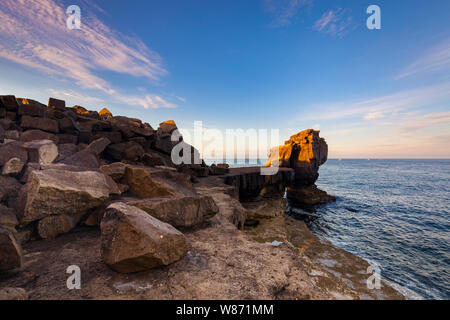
(393,213)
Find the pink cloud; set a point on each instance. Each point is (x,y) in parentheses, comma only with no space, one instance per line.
(34,34)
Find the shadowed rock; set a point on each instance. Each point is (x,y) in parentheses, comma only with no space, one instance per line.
(45,124)
(31,135)
(12,150)
(156,182)
(12,167)
(10,250)
(8,217)
(58,192)
(179,211)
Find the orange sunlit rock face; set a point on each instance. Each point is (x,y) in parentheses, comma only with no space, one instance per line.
(80,110)
(25,101)
(105,112)
(304,152)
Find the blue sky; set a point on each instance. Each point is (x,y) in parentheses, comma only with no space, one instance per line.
(287,64)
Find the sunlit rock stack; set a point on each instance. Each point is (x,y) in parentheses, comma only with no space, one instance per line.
(304,152)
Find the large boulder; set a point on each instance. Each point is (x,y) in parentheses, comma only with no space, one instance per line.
(88,157)
(308,195)
(12,150)
(304,152)
(28,107)
(62,192)
(45,124)
(147,182)
(52,226)
(179,211)
(31,135)
(130,150)
(56,103)
(84,158)
(9,188)
(41,151)
(8,217)
(134,241)
(9,103)
(12,167)
(11,256)
(66,150)
(115,170)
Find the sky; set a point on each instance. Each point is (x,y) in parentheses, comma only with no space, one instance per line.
(256,64)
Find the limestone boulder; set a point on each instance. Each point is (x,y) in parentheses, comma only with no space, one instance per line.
(9,188)
(28,107)
(41,151)
(9,103)
(66,150)
(56,103)
(115,170)
(10,135)
(98,146)
(31,135)
(11,256)
(113,136)
(147,182)
(52,226)
(134,241)
(12,150)
(45,124)
(308,195)
(8,217)
(12,167)
(64,138)
(84,158)
(131,151)
(153,159)
(179,211)
(62,192)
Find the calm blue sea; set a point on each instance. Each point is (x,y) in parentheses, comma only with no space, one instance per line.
(394,213)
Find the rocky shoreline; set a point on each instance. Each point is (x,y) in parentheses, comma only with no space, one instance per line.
(101,192)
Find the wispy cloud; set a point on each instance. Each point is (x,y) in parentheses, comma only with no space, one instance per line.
(34,34)
(434,59)
(283,12)
(374,115)
(334,22)
(375,107)
(425,121)
(75,96)
(148,101)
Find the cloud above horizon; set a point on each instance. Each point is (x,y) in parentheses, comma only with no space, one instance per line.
(284,11)
(379,107)
(334,22)
(34,34)
(436,58)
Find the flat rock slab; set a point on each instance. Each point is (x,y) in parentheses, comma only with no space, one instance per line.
(179,211)
(58,191)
